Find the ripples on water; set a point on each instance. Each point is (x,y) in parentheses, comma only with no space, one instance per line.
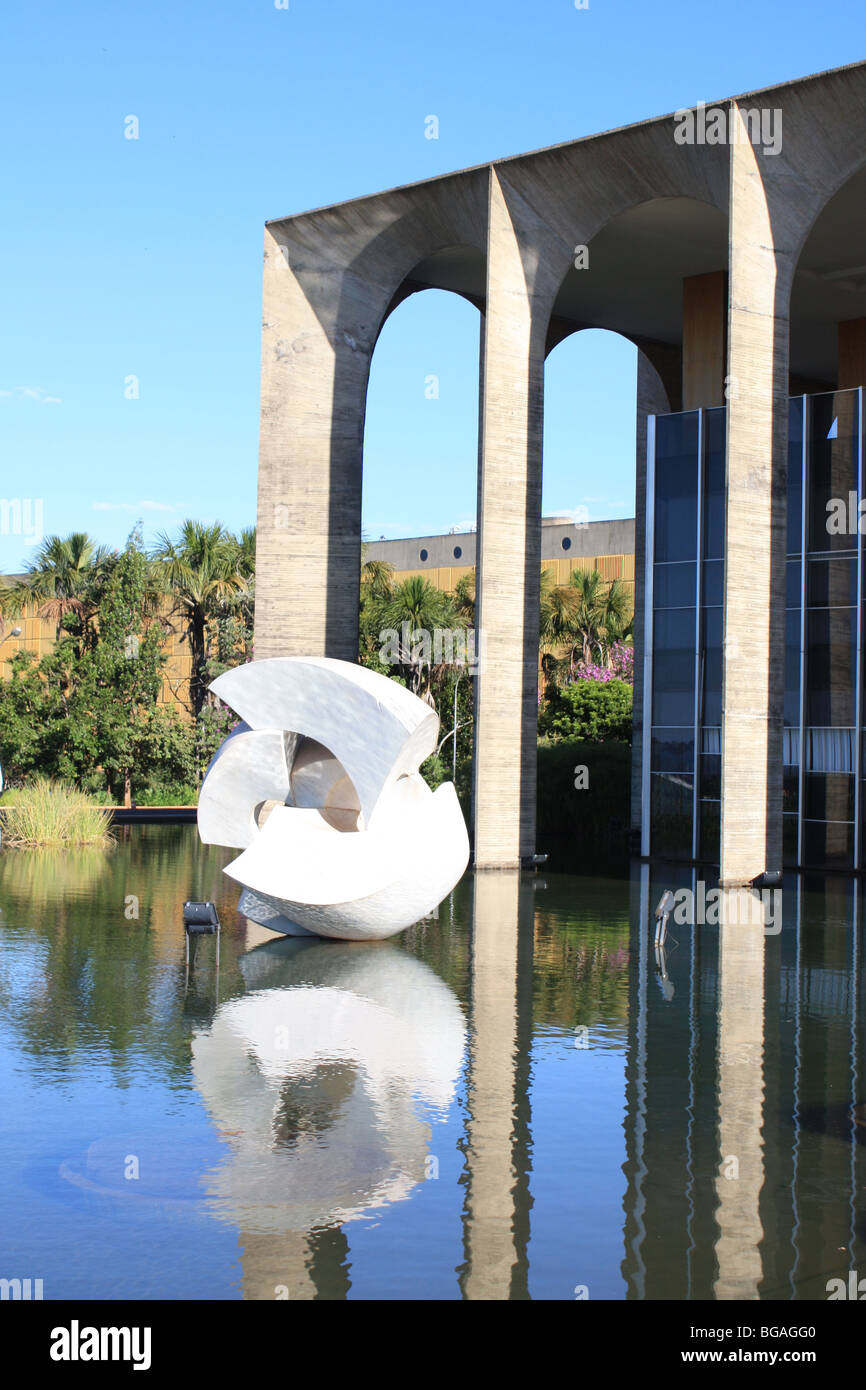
(515,1100)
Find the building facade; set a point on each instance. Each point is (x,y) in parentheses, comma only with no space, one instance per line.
(726,243)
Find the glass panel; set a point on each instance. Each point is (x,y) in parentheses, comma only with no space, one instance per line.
(674,586)
(711,776)
(676,487)
(831,635)
(790,789)
(828,796)
(795,476)
(828,844)
(792,584)
(830,750)
(713,582)
(710,831)
(674,666)
(671,814)
(792,668)
(789,841)
(672,750)
(830,583)
(711,707)
(833,447)
(715,424)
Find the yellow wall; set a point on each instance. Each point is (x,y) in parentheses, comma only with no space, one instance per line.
(39,636)
(608,566)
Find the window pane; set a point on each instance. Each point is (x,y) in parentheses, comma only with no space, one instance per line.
(711,711)
(833,449)
(828,796)
(830,666)
(671,815)
(672,750)
(831,583)
(715,422)
(795,476)
(674,666)
(674,586)
(676,487)
(710,831)
(828,844)
(792,584)
(713,582)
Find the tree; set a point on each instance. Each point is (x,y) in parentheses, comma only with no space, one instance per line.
(78,711)
(600,615)
(200,571)
(63,583)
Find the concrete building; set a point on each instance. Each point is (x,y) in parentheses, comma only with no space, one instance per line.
(727,244)
(607,546)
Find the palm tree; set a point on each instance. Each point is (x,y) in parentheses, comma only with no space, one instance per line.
(602,611)
(63,580)
(199,571)
(422,608)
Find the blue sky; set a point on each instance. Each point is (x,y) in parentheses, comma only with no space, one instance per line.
(142,258)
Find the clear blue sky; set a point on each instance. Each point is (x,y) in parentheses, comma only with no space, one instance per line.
(143,257)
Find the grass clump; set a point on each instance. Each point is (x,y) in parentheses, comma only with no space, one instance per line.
(47,812)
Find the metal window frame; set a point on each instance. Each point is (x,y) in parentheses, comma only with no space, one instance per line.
(804,482)
(858,676)
(699,593)
(649,558)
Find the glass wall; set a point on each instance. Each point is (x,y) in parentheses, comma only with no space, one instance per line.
(824,715)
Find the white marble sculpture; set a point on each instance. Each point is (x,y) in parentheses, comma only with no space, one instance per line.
(320,789)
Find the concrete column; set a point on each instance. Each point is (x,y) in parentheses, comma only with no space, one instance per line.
(509,552)
(753,653)
(313,393)
(705,311)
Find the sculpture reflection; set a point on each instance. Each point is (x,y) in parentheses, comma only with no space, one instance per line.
(323,1082)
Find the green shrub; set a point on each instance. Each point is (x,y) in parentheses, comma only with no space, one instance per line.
(584,827)
(587,709)
(46,812)
(167,794)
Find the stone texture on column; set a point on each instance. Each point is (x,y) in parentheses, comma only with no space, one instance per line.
(308,539)
(753,648)
(509,545)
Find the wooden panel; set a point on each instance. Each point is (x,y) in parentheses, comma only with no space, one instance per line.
(705,315)
(852,354)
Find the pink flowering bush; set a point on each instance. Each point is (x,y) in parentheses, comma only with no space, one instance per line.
(621,667)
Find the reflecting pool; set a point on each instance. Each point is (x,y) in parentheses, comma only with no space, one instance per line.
(519,1099)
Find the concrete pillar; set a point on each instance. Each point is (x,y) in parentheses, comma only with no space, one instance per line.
(313,392)
(490,1239)
(740,1094)
(753,648)
(705,312)
(509,552)
(852,354)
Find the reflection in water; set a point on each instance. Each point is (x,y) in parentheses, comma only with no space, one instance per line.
(319,1080)
(494,1252)
(687,1124)
(740,1102)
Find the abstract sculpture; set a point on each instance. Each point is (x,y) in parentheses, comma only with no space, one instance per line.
(320,789)
(325,1079)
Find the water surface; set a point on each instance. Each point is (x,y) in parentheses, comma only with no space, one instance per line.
(515,1100)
